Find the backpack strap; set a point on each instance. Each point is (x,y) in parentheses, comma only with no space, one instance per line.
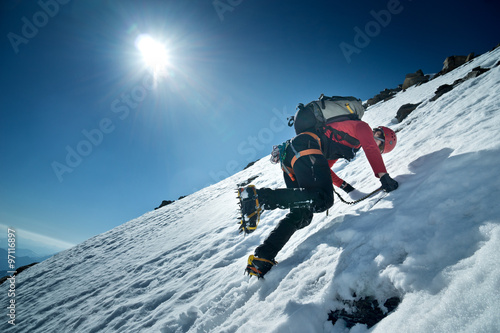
(340,136)
(289,172)
(299,154)
(315,136)
(279,155)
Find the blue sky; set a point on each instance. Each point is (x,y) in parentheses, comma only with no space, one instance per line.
(87,143)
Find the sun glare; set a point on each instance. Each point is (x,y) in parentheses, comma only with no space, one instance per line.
(154,53)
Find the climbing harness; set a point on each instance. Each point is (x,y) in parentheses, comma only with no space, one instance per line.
(279,153)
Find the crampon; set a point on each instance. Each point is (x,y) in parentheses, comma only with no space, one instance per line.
(258,266)
(250,209)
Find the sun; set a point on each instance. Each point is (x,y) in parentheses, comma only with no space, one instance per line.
(154,53)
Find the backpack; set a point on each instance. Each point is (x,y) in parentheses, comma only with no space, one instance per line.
(325,110)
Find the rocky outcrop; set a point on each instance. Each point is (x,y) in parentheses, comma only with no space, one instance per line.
(414,79)
(405,110)
(475,72)
(248,181)
(453,62)
(363,311)
(249,165)
(18,270)
(441,91)
(384,95)
(165,203)
(418,77)
(168,202)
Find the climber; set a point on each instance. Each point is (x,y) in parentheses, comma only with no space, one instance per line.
(306,161)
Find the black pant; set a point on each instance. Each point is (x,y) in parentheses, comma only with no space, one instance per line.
(310,192)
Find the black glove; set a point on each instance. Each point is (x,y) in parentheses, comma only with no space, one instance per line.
(388,184)
(346,187)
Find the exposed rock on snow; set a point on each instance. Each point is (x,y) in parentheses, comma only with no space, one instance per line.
(405,110)
(366,311)
(414,78)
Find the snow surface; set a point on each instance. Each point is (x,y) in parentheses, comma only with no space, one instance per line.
(435,242)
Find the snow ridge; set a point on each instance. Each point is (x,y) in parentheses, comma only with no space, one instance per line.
(435,242)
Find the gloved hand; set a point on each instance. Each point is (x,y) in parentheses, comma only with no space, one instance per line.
(356,195)
(346,187)
(388,184)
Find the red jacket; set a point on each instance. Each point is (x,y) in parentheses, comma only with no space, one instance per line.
(363,133)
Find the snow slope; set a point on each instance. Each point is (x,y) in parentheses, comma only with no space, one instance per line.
(435,242)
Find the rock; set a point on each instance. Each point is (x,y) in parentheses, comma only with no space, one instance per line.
(470,56)
(405,110)
(476,72)
(364,311)
(18,270)
(384,95)
(249,165)
(441,91)
(374,100)
(453,62)
(248,181)
(448,87)
(164,203)
(414,78)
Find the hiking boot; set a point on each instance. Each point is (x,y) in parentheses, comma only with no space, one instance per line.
(250,209)
(258,266)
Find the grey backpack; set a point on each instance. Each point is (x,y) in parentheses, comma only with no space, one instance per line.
(325,110)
